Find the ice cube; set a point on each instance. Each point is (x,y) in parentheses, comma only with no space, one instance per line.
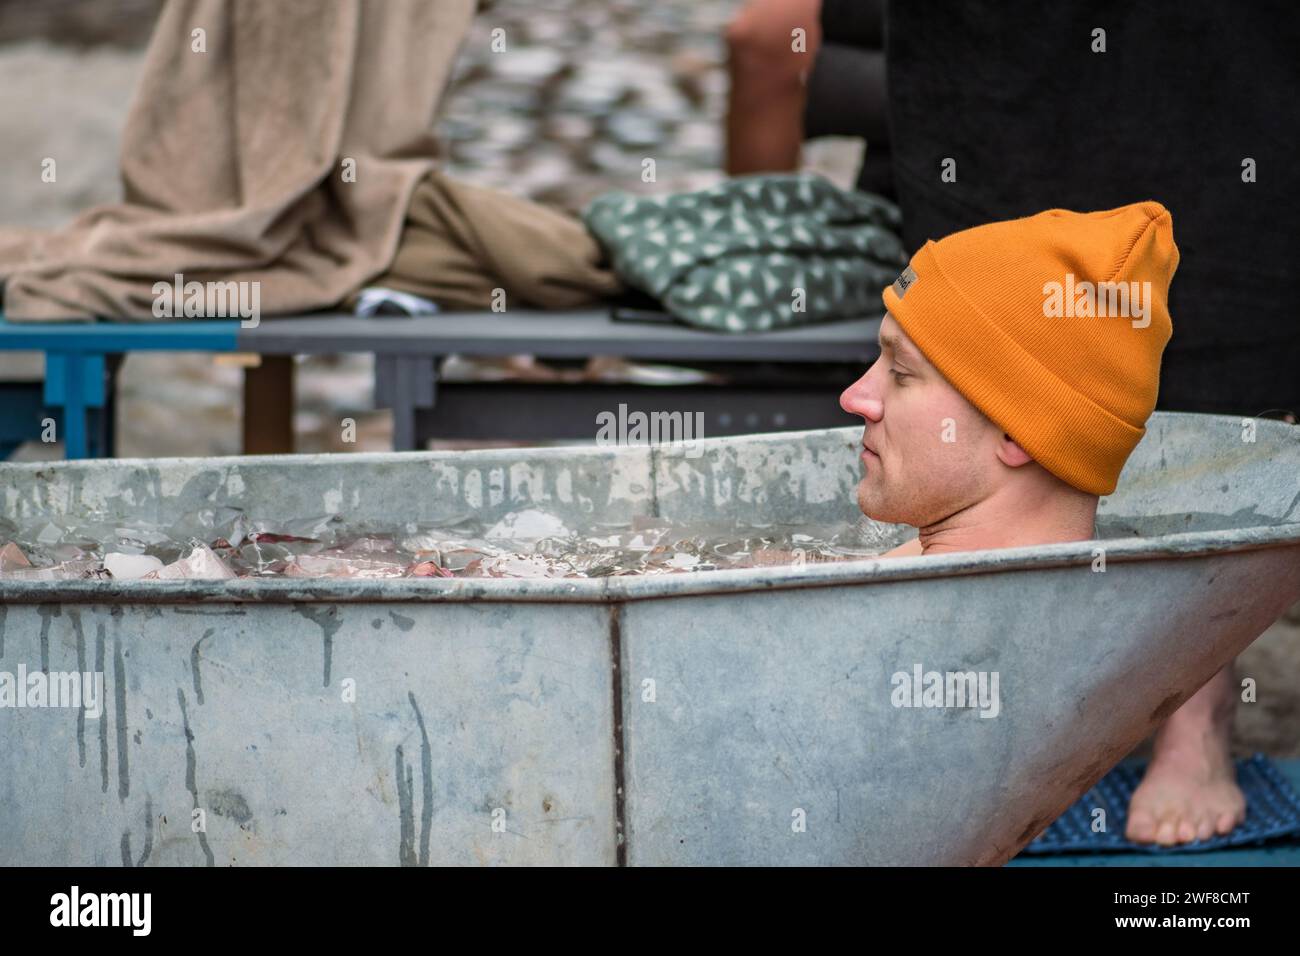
(125,567)
(202,563)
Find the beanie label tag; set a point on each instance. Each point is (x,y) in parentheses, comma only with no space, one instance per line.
(904,282)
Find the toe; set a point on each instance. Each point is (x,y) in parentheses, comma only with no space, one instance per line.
(1205,828)
(1226,822)
(1186,831)
(1167,831)
(1141,827)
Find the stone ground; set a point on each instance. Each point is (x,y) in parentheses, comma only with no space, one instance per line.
(588,89)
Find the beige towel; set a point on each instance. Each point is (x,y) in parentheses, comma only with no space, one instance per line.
(234,159)
(463,242)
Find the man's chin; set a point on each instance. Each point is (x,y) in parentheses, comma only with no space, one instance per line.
(872,504)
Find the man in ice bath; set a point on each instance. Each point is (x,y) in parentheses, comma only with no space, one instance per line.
(1019,363)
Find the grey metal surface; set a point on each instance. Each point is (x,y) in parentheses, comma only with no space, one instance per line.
(524,411)
(406,383)
(557,335)
(770,700)
(780,705)
(463,716)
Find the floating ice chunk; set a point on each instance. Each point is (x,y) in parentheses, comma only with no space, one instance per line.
(67,571)
(202,563)
(371,544)
(50,533)
(460,558)
(137,539)
(519,566)
(339,566)
(527,525)
(680,561)
(12,558)
(868,537)
(125,567)
(429,569)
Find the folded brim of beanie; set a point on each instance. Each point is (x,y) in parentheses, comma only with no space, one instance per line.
(1057,425)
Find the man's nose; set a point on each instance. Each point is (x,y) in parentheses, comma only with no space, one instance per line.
(861,399)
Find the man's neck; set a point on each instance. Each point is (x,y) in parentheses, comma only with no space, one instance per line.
(1012,518)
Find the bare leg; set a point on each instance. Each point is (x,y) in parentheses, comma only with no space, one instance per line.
(1190,789)
(766,101)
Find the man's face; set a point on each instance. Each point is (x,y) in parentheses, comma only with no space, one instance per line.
(913,475)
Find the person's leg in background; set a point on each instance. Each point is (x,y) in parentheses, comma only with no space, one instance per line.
(767,67)
(847,90)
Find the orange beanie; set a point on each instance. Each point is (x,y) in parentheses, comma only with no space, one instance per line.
(1053,327)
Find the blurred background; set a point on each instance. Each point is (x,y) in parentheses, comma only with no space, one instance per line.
(588,87)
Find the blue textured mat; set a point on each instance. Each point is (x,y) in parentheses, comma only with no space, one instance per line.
(1272,811)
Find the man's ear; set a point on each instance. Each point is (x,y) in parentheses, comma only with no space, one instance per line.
(1011,454)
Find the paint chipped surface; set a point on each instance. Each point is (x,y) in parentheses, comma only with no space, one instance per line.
(515,709)
(480,700)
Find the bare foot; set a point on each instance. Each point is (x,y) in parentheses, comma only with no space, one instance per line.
(1186,794)
(1190,788)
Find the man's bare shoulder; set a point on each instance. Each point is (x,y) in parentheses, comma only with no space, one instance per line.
(904,550)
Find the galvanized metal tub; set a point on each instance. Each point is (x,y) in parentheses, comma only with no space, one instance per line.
(728,717)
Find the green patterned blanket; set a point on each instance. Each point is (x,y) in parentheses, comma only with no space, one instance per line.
(755,252)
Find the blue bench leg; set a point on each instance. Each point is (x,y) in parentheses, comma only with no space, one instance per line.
(75,381)
(74,408)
